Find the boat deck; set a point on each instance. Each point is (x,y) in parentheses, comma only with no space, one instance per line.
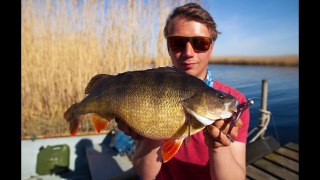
(283,163)
(92,158)
(268,161)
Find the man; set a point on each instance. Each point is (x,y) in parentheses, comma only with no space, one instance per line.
(191,32)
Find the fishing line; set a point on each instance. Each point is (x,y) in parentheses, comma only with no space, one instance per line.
(278,139)
(257,126)
(269,116)
(274,125)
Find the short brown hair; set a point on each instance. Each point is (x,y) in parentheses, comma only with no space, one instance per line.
(194,12)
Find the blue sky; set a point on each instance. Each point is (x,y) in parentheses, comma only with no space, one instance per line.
(255,27)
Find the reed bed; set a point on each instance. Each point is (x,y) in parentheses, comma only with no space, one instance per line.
(285,60)
(65,43)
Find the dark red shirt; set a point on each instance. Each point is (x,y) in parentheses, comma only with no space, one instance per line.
(192,161)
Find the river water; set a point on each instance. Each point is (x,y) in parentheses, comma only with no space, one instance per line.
(283,95)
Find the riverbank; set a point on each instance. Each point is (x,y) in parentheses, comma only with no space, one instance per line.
(287,60)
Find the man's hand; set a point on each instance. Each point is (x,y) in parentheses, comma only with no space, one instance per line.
(215,134)
(127,130)
(147,158)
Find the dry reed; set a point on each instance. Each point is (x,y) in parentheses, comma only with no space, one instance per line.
(285,60)
(65,43)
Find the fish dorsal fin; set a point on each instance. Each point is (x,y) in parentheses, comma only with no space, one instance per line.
(166,69)
(170,147)
(95,82)
(163,69)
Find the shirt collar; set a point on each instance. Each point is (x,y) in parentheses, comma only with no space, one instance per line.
(209,78)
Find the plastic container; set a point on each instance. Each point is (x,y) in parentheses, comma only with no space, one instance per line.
(53,159)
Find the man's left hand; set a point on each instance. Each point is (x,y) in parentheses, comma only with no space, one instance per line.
(215,134)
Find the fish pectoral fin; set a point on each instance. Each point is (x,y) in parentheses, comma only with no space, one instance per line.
(170,147)
(99,122)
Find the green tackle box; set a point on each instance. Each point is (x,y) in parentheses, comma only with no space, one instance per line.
(53,159)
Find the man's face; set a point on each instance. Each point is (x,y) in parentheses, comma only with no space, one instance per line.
(188,59)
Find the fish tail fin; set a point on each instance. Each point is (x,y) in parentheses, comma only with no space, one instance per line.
(74,121)
(99,122)
(170,147)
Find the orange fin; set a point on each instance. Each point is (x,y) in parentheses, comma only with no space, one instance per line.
(74,127)
(72,119)
(99,122)
(170,147)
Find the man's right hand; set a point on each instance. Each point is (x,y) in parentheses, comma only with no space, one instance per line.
(127,130)
(147,158)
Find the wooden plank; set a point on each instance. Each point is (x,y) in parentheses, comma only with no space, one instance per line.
(283,161)
(259,148)
(255,173)
(275,169)
(288,153)
(292,146)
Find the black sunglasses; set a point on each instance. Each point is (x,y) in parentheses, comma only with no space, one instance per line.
(199,43)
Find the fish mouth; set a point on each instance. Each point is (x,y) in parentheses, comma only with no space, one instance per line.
(230,109)
(232,106)
(226,114)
